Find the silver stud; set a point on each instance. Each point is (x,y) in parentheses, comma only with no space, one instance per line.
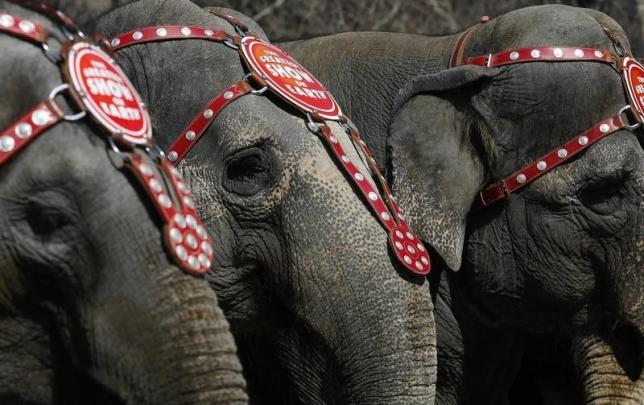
(186,31)
(175,235)
(345,159)
(190,135)
(424,259)
(201,231)
(7,143)
(420,247)
(419,266)
(542,165)
(115,42)
(27,26)
(193,262)
(514,55)
(40,117)
(191,241)
(599,54)
(189,202)
(400,215)
(181,186)
(180,220)
(558,52)
(579,53)
(410,236)
(23,130)
(164,200)
(333,139)
(521,178)
(359,176)
(228,95)
(583,140)
(145,169)
(155,185)
(399,245)
(373,196)
(181,252)
(162,32)
(411,249)
(604,128)
(206,248)
(535,53)
(137,35)
(209,32)
(385,216)
(6,21)
(173,156)
(399,235)
(191,221)
(208,113)
(205,262)
(562,153)
(407,259)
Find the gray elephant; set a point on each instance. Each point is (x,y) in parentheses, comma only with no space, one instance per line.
(556,265)
(92,308)
(315,301)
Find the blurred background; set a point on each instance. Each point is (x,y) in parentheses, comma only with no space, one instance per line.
(295,19)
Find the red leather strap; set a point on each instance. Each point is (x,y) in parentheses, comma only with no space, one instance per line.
(23,28)
(548,162)
(27,128)
(456,58)
(195,130)
(165,33)
(541,54)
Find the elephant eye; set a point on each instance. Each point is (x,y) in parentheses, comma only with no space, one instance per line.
(48,220)
(249,171)
(602,197)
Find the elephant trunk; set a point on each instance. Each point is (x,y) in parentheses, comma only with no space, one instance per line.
(181,350)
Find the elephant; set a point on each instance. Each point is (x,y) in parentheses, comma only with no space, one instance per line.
(92,308)
(552,275)
(315,300)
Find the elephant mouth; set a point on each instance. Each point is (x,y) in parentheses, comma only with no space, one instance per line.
(628,347)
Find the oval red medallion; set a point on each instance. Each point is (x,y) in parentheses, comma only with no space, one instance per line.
(634,78)
(107,93)
(288,78)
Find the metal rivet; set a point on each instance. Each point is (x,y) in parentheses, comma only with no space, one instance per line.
(424,259)
(385,216)
(514,55)
(193,262)
(562,153)
(521,178)
(6,21)
(599,54)
(203,259)
(410,236)
(27,26)
(181,186)
(583,140)
(373,196)
(189,202)
(164,200)
(145,169)
(604,128)
(535,53)
(399,235)
(401,216)
(420,247)
(23,130)
(186,31)
(206,248)
(201,231)
(228,95)
(172,156)
(180,220)
(40,117)
(162,32)
(345,159)
(115,42)
(190,135)
(181,252)
(155,185)
(407,259)
(208,113)
(191,241)
(137,35)
(419,265)
(579,53)
(411,249)
(175,235)
(7,143)
(359,176)
(209,32)
(399,245)
(191,221)
(333,139)
(558,52)
(542,165)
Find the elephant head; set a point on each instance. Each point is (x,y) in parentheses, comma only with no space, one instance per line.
(563,255)
(303,272)
(92,308)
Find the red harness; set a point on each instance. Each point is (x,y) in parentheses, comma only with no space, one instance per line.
(268,65)
(633,80)
(98,89)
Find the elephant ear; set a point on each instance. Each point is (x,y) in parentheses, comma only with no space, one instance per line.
(434,155)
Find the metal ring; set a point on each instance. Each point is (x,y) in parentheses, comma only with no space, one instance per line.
(59,90)
(230,45)
(622,111)
(255,92)
(312,125)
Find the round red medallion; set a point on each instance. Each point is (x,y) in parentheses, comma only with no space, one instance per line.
(634,78)
(107,93)
(288,78)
